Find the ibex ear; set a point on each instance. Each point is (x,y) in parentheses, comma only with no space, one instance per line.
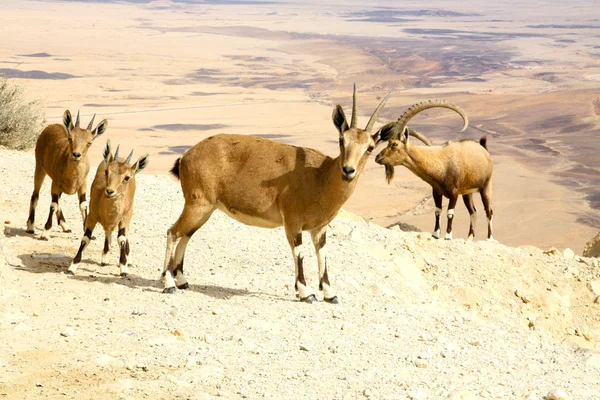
(339,119)
(68,121)
(100,129)
(107,153)
(386,132)
(140,164)
(404,136)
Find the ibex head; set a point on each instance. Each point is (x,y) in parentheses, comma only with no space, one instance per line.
(119,172)
(397,151)
(81,139)
(355,144)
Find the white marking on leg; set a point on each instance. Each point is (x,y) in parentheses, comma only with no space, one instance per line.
(180,279)
(104,259)
(124,268)
(121,240)
(328,292)
(303,290)
(438,212)
(448,236)
(73,268)
(45,235)
(83,206)
(54,206)
(168,280)
(451,213)
(436,234)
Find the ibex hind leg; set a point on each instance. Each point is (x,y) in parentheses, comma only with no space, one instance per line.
(468,199)
(38,179)
(191,219)
(486,198)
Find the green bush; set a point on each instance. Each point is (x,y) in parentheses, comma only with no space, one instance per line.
(21,122)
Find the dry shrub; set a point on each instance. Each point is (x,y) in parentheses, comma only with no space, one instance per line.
(21,121)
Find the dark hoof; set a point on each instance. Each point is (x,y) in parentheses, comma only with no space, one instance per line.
(67,272)
(447,238)
(124,274)
(68,231)
(93,238)
(45,239)
(310,299)
(103,264)
(184,286)
(169,290)
(333,300)
(30,231)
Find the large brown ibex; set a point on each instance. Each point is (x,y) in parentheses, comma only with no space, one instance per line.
(453,169)
(111,204)
(269,184)
(61,152)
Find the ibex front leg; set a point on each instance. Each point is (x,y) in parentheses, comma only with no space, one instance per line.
(319,239)
(53,208)
(124,250)
(83,204)
(451,206)
(87,236)
(60,218)
(437,199)
(305,293)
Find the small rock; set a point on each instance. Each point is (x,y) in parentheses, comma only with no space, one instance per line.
(553,251)
(558,394)
(368,393)
(174,311)
(568,254)
(217,311)
(419,363)
(305,347)
(179,333)
(191,362)
(68,331)
(594,286)
(597,300)
(336,314)
(423,356)
(207,338)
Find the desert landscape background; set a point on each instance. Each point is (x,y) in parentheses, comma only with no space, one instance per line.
(418,318)
(167,74)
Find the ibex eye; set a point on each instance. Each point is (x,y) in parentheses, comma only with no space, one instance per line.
(370,149)
(126,178)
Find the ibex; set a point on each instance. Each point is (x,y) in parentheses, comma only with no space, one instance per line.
(61,152)
(269,184)
(453,169)
(111,204)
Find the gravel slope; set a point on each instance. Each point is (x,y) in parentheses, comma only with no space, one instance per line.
(417,318)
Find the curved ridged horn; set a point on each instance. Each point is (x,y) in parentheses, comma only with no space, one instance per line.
(89,128)
(417,108)
(375,115)
(116,158)
(419,136)
(77,121)
(128,159)
(354,111)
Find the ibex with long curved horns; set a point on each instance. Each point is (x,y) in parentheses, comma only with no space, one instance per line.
(111,205)
(453,169)
(61,152)
(269,184)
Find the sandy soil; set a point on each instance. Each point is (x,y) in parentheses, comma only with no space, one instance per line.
(418,318)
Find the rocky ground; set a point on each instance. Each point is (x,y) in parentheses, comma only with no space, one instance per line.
(417,319)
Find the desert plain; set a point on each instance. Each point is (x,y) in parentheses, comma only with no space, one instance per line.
(167,74)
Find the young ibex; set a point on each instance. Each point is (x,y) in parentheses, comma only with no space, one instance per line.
(111,204)
(61,152)
(453,169)
(269,184)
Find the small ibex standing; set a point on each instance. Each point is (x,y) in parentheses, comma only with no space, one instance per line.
(269,184)
(453,169)
(61,152)
(111,204)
